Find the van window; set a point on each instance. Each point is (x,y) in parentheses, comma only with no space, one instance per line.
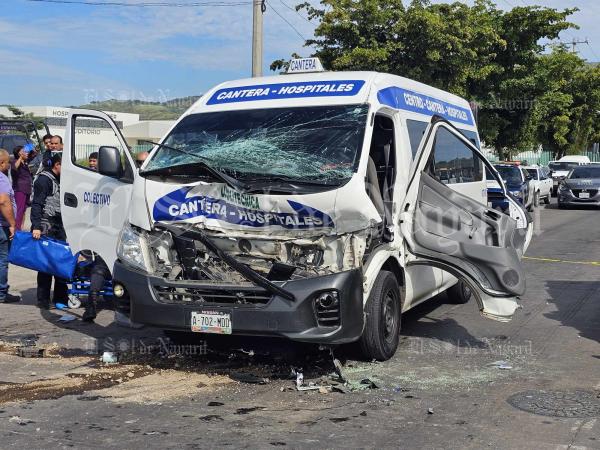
(416,130)
(382,163)
(91,133)
(452,161)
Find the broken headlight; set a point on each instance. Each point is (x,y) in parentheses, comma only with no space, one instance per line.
(132,248)
(305,255)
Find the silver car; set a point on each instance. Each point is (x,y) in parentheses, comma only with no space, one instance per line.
(580,187)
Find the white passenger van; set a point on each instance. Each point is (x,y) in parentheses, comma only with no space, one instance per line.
(312,206)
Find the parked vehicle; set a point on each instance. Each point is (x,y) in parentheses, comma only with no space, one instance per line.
(312,206)
(580,187)
(518,182)
(542,184)
(495,193)
(561,168)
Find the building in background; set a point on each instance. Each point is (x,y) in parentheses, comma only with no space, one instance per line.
(134,130)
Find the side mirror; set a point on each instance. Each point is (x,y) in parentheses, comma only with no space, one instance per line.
(109,162)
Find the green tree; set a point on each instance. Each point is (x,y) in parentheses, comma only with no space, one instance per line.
(479,52)
(566,113)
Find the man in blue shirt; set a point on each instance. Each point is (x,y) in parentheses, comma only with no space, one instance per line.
(8,207)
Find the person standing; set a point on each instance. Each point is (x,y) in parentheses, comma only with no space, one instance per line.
(22,181)
(54,147)
(7,226)
(47,220)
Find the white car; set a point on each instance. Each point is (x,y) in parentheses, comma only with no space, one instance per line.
(542,184)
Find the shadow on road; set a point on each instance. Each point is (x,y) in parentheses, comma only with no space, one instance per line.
(578,306)
(416,323)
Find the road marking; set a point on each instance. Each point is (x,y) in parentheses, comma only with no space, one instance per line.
(565,261)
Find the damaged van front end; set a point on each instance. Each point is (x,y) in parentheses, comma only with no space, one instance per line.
(276,253)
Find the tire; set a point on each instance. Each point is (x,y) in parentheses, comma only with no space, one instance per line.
(459,293)
(381,334)
(536,199)
(547,199)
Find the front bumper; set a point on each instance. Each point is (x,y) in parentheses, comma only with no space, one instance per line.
(276,316)
(569,198)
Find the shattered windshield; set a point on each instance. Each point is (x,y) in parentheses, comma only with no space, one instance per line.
(312,143)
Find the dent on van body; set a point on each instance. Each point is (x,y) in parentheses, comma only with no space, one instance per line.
(329,232)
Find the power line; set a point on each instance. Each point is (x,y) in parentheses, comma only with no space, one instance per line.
(144,4)
(286,21)
(593,52)
(294,10)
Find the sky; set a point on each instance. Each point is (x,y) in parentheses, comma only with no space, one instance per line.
(62,54)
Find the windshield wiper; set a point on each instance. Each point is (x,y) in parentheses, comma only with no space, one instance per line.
(186,169)
(172,170)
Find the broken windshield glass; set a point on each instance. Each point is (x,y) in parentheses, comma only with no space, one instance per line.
(313,143)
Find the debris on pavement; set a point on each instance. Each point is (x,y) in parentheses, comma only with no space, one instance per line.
(67,318)
(30,352)
(109,358)
(244,377)
(19,420)
(502,365)
(429,410)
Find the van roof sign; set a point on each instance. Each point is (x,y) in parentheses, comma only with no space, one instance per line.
(305,65)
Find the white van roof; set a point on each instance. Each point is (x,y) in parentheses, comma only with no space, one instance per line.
(336,88)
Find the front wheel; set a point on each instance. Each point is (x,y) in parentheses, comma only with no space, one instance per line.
(382,323)
(547,199)
(460,293)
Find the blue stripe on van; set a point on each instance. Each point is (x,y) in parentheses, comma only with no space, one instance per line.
(423,104)
(278,91)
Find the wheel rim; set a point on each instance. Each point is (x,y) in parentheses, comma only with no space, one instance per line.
(390,315)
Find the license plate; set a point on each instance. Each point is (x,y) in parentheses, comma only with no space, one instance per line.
(584,195)
(211,322)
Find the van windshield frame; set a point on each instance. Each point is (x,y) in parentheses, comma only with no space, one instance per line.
(315,143)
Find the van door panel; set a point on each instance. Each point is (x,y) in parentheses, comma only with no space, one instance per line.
(94,207)
(454,232)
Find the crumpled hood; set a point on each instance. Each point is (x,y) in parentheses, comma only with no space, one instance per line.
(218,207)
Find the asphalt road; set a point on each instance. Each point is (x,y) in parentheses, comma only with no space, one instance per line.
(443,389)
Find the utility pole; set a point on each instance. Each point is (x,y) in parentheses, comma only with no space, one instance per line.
(258,9)
(574,43)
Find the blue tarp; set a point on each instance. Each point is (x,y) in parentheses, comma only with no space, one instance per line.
(46,255)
